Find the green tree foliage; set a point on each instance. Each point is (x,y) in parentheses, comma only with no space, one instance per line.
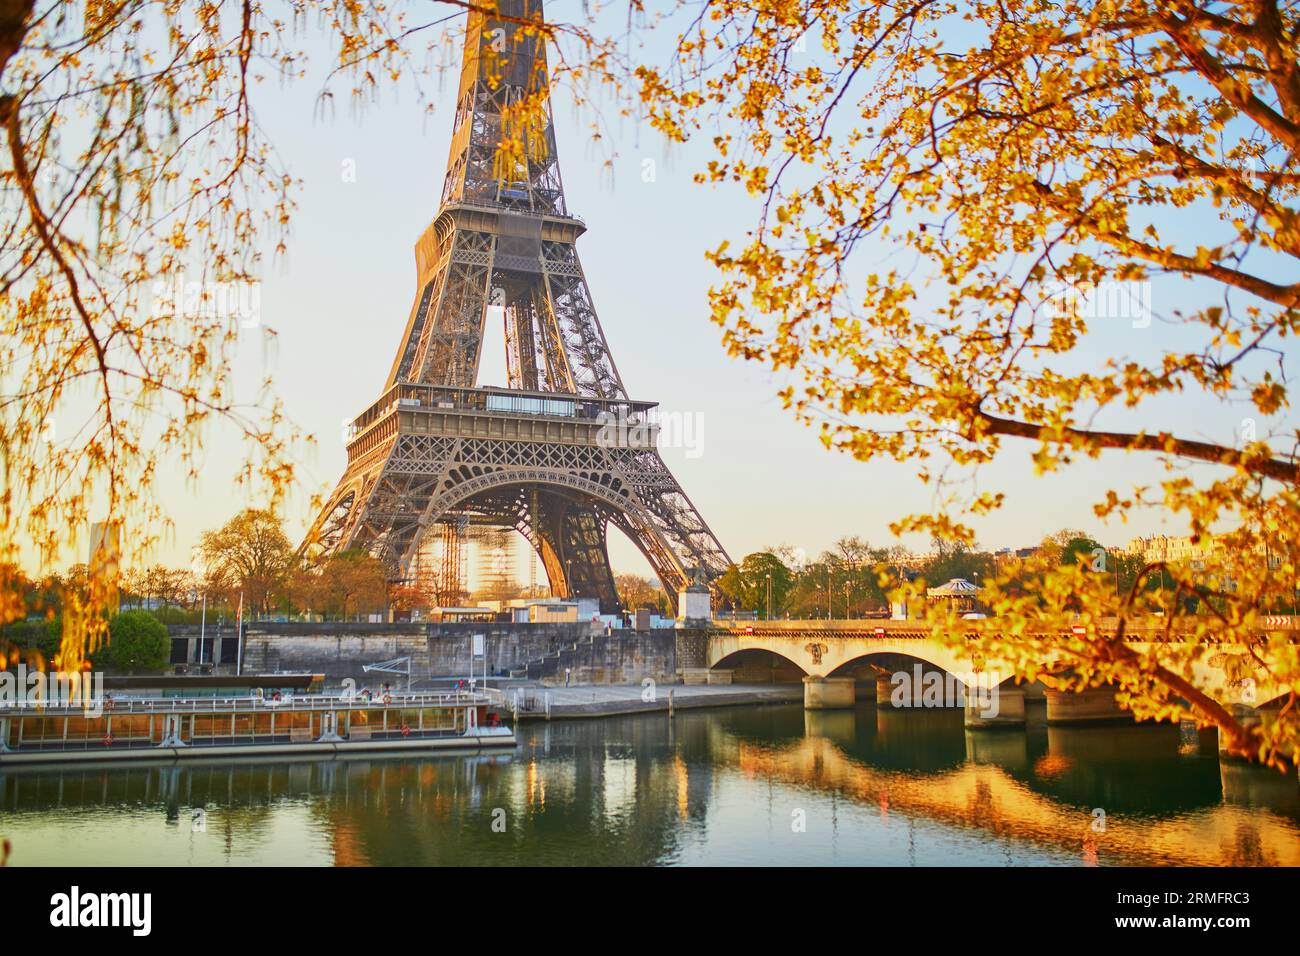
(840,583)
(955,559)
(1084,550)
(808,596)
(1074,547)
(137,642)
(746,584)
(23,637)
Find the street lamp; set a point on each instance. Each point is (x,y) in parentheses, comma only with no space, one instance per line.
(769,596)
(200,569)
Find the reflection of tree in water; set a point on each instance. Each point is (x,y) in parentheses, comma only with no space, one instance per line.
(601,792)
(615,791)
(981,808)
(237,798)
(1247,848)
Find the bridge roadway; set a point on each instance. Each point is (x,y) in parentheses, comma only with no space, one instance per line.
(834,658)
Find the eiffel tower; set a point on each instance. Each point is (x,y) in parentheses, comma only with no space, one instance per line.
(562,452)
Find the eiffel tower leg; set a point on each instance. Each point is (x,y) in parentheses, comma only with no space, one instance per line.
(382,502)
(572,545)
(672,534)
(335,528)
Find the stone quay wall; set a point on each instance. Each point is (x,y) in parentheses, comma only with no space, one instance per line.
(541,652)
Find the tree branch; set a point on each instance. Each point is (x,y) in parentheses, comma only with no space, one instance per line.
(1276,468)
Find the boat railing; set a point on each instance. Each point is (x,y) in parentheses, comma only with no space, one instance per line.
(217,705)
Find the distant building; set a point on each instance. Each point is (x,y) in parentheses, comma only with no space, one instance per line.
(549,610)
(553,612)
(960,594)
(911,562)
(1175,550)
(1182,549)
(462,615)
(1021,553)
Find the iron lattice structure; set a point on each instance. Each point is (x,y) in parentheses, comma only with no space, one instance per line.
(561,453)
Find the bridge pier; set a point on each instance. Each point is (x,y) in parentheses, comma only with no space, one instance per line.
(1250,785)
(995,708)
(839,725)
(828,693)
(1201,741)
(1010,751)
(884,690)
(1095,705)
(1247,716)
(865,688)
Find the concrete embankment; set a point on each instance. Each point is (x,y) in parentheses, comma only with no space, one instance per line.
(537,652)
(559,703)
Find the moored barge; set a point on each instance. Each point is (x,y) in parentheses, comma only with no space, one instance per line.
(175,728)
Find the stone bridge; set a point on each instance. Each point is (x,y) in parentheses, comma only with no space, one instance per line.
(841,662)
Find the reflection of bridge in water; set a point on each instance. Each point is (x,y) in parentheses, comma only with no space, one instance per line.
(1045,789)
(648,789)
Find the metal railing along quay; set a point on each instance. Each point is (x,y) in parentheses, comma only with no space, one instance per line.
(218,705)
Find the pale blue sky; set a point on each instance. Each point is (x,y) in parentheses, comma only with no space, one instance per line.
(340,299)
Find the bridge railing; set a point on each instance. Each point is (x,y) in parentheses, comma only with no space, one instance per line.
(1149,628)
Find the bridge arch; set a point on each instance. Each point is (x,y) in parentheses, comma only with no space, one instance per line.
(760,665)
(892,662)
(820,654)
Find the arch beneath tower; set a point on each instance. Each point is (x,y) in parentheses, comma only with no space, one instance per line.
(565,519)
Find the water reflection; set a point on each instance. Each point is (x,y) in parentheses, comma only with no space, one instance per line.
(765,785)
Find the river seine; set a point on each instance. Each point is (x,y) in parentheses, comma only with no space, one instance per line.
(769,785)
